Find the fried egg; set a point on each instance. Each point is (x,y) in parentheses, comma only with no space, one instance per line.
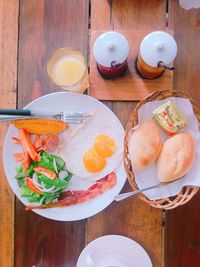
(104,145)
(94,149)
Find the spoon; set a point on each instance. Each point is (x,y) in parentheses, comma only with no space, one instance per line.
(123,196)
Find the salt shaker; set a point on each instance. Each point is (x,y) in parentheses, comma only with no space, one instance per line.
(111,50)
(157,50)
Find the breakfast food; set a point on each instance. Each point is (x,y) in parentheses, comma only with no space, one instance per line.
(95,150)
(41,177)
(176,157)
(73,197)
(144,145)
(169,117)
(103,147)
(40,126)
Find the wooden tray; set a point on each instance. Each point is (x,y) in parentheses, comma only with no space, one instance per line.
(131,86)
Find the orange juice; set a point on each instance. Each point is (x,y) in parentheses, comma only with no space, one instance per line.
(67,69)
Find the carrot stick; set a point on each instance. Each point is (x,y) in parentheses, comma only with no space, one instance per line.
(27,145)
(37,144)
(19,157)
(16,140)
(27,161)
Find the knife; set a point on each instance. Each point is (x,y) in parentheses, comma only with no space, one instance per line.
(21,112)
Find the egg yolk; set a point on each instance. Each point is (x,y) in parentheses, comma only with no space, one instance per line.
(105,145)
(93,161)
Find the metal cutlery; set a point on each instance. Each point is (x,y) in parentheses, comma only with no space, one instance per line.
(69,117)
(123,196)
(20,112)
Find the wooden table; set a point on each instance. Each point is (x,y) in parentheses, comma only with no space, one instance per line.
(30,31)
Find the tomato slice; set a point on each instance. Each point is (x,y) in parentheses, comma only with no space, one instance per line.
(31,186)
(50,174)
(50,142)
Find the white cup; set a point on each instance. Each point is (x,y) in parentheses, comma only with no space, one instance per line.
(105,262)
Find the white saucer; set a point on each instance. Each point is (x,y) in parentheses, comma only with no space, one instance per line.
(113,251)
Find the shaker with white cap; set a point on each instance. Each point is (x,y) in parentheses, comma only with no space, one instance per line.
(111,51)
(157,51)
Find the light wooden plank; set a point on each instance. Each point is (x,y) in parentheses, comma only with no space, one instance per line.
(8,72)
(101,14)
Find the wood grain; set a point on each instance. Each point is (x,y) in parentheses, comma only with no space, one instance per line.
(8,72)
(182,234)
(144,14)
(131,86)
(126,14)
(46,25)
(103,7)
(186,26)
(131,218)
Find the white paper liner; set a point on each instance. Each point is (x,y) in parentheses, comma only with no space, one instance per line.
(148,176)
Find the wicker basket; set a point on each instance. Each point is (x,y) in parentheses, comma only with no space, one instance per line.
(187,192)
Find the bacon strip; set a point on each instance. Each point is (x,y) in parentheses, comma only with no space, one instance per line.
(74,197)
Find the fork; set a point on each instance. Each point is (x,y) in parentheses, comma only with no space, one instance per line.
(69,117)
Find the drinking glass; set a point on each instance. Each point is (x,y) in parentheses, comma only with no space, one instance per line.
(68,69)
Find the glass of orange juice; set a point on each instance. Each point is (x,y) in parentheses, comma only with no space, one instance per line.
(67,68)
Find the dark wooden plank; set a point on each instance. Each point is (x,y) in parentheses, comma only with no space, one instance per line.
(8,73)
(186,26)
(42,242)
(182,235)
(182,232)
(131,218)
(46,25)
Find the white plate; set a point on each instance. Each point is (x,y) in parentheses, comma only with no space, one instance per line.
(115,251)
(53,103)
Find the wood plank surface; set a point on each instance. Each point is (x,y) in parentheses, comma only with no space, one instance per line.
(131,218)
(46,25)
(182,234)
(8,73)
(186,26)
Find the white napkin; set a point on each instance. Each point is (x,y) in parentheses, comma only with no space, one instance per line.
(188,4)
(148,176)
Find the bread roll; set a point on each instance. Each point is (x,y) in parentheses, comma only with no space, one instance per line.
(176,157)
(144,145)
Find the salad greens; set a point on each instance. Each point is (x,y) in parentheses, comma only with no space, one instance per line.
(38,185)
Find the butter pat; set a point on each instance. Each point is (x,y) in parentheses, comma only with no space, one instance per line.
(169,117)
